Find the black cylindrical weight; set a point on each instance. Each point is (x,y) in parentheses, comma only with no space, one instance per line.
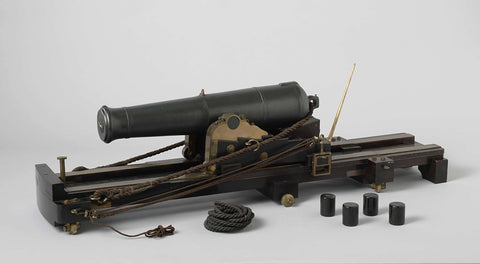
(327,204)
(370,204)
(273,106)
(396,213)
(350,214)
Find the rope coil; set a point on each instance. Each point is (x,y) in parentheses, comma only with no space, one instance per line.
(228,218)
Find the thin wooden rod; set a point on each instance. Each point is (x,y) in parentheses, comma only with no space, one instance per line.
(341,105)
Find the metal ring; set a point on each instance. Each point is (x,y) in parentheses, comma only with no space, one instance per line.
(249,143)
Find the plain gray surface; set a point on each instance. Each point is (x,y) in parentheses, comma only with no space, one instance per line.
(417,72)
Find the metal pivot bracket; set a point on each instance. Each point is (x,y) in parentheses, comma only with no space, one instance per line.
(322,164)
(379,172)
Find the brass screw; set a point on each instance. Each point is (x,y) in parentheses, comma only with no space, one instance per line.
(62,159)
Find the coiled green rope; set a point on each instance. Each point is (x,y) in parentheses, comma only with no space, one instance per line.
(228,218)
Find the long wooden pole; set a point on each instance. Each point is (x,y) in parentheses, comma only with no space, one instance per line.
(330,136)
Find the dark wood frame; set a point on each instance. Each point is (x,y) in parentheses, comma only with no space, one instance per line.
(369,160)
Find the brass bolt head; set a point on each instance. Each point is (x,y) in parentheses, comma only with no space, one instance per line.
(230,148)
(263,155)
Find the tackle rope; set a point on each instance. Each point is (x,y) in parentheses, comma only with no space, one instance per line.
(104,195)
(117,193)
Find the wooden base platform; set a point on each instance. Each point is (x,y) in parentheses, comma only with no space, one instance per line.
(369,160)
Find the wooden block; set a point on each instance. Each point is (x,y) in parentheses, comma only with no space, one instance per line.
(276,189)
(435,171)
(380,170)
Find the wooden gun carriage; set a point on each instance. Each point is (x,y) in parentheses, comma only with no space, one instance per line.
(261,138)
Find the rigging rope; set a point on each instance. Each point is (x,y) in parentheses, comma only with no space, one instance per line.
(117,193)
(189,189)
(146,155)
(137,158)
(214,223)
(159,231)
(121,192)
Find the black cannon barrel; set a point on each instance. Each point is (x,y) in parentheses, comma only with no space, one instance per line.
(272,106)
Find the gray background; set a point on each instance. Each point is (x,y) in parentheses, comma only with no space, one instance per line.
(417,72)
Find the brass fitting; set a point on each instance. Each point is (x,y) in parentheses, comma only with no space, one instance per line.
(71,228)
(230,148)
(263,156)
(287,200)
(62,159)
(211,169)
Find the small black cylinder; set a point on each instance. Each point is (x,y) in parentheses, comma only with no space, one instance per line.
(327,204)
(350,214)
(396,213)
(370,204)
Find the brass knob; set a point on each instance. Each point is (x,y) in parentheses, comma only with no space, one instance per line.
(263,156)
(287,200)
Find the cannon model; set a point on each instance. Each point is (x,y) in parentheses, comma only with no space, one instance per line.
(262,138)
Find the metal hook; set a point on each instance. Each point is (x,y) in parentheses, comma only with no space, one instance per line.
(251,141)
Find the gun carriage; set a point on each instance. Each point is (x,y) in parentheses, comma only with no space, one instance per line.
(262,138)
